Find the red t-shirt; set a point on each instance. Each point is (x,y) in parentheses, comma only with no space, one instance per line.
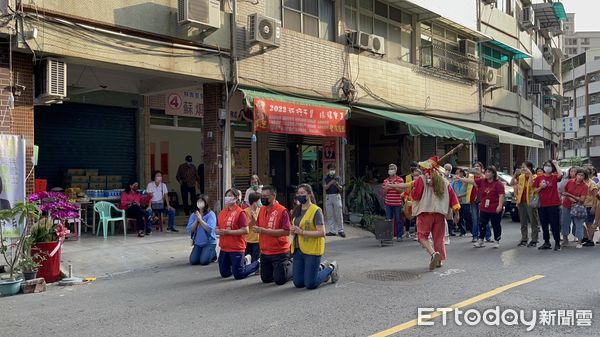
(393,197)
(577,190)
(232,220)
(549,195)
(489,194)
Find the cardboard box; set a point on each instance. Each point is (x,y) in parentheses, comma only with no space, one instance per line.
(114,186)
(91,172)
(97,186)
(98,180)
(80,186)
(75,172)
(79,179)
(114,179)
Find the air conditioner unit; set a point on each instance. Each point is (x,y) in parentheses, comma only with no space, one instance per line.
(468,48)
(471,70)
(536,88)
(205,14)
(360,40)
(527,18)
(377,44)
(50,81)
(549,56)
(489,2)
(264,30)
(490,76)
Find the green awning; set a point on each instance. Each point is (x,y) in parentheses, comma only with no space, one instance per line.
(559,10)
(422,125)
(504,137)
(250,95)
(516,53)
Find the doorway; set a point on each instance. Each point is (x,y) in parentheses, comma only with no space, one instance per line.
(277,171)
(311,169)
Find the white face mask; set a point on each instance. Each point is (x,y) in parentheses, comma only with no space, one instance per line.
(229,200)
(332,172)
(547,169)
(392,172)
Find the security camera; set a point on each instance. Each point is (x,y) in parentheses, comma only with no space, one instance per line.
(18,89)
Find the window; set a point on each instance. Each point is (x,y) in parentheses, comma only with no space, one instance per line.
(379,18)
(585,40)
(571,41)
(506,6)
(580,102)
(311,17)
(594,98)
(571,51)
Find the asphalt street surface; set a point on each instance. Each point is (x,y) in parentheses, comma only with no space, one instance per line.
(379,288)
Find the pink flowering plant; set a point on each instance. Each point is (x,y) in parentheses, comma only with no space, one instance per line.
(56,209)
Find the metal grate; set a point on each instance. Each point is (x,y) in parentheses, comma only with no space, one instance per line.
(390,275)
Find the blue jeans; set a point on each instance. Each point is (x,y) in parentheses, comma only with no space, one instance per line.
(306,271)
(395,213)
(232,263)
(567,219)
(203,255)
(475,223)
(171,215)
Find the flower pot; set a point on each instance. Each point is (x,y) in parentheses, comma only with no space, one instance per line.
(355,218)
(29,275)
(50,267)
(9,288)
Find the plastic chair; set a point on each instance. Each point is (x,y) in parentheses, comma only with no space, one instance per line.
(104,210)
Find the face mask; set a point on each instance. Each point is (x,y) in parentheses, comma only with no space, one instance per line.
(302,199)
(255,187)
(259,204)
(229,200)
(332,173)
(547,169)
(392,172)
(265,201)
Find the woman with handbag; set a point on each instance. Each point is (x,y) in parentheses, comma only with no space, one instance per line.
(546,185)
(575,193)
(202,225)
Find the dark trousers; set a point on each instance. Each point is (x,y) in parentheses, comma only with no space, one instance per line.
(136,212)
(494,218)
(185,192)
(253,249)
(275,268)
(232,263)
(550,221)
(466,222)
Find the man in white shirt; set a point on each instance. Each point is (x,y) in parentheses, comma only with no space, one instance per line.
(160,200)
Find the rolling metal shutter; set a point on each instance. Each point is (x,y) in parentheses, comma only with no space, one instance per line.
(83,136)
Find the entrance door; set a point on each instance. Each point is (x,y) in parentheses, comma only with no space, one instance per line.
(278,174)
(311,169)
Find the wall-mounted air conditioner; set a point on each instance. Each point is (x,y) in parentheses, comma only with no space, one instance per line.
(468,48)
(490,76)
(371,42)
(204,14)
(377,44)
(264,30)
(527,18)
(50,81)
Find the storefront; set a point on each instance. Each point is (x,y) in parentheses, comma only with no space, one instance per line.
(286,141)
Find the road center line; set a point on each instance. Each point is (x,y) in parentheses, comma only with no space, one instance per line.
(460,305)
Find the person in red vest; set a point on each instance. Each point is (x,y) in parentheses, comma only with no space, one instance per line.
(274,229)
(432,200)
(232,227)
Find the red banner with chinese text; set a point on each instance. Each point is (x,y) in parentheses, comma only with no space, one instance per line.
(299,119)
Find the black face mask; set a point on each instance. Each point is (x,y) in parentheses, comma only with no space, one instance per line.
(302,199)
(265,201)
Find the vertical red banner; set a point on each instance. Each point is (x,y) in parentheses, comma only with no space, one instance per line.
(152,158)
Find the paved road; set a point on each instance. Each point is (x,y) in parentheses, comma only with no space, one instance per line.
(180,300)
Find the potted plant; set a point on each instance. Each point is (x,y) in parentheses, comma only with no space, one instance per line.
(361,199)
(50,232)
(22,215)
(30,260)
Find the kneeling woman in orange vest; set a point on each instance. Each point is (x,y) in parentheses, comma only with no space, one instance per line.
(232,226)
(308,244)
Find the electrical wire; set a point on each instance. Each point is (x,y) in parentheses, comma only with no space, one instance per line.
(327,99)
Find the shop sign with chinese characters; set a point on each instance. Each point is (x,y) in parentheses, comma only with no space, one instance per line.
(186,103)
(299,119)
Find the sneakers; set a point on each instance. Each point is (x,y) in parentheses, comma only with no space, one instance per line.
(141,234)
(579,246)
(342,234)
(589,244)
(335,276)
(172,230)
(557,248)
(399,239)
(532,244)
(489,240)
(496,245)
(474,240)
(331,234)
(447,241)
(478,244)
(435,261)
(248,259)
(522,244)
(322,266)
(545,246)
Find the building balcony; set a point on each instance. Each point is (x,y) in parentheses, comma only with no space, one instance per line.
(449,63)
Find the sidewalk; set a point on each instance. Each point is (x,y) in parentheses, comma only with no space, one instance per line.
(93,256)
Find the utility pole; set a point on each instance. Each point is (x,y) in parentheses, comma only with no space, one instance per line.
(227,179)
(587,114)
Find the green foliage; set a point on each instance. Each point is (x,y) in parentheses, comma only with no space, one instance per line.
(13,249)
(361,198)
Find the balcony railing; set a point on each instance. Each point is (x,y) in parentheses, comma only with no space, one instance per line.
(449,62)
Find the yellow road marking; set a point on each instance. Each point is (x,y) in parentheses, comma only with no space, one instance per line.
(459,305)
